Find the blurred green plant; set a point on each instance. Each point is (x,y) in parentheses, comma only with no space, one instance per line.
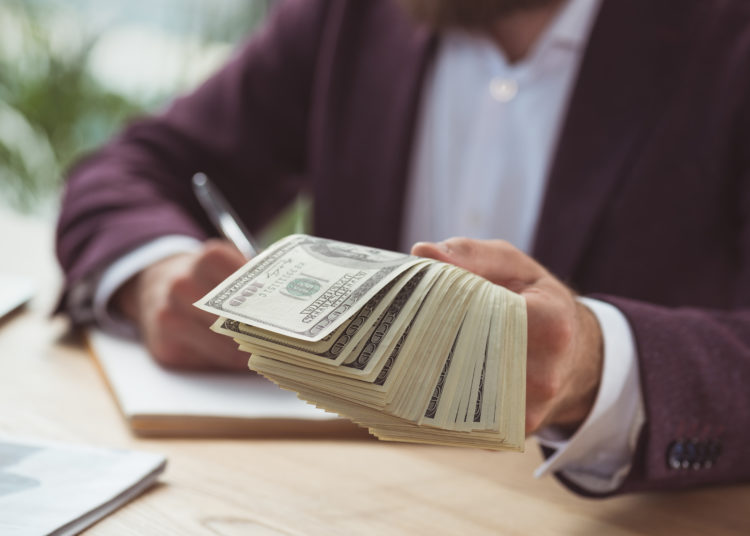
(52,110)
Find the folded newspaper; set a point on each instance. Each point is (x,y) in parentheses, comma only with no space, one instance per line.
(414,349)
(60,489)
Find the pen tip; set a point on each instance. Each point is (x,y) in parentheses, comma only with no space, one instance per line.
(199,179)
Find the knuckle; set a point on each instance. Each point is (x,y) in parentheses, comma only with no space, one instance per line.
(217,261)
(552,387)
(461,241)
(505,250)
(210,253)
(504,245)
(167,353)
(533,421)
(460,245)
(545,388)
(164,316)
(214,251)
(560,336)
(181,285)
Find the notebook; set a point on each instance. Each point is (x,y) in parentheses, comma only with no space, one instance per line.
(161,402)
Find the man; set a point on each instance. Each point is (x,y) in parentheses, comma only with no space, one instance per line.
(608,139)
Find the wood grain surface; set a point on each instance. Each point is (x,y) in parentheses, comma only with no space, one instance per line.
(50,389)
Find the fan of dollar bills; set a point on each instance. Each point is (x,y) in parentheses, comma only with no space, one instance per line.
(413,349)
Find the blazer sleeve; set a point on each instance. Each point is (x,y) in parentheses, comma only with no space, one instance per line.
(246,127)
(694,371)
(694,360)
(694,366)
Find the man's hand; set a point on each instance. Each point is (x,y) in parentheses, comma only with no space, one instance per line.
(159,300)
(565,348)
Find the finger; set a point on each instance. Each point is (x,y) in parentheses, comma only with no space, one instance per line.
(178,339)
(550,318)
(177,355)
(216,349)
(182,295)
(217,261)
(205,349)
(194,315)
(185,357)
(432,250)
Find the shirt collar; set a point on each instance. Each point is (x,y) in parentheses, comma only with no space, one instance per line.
(572,25)
(568,31)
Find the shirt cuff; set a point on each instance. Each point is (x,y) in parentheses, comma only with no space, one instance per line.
(90,299)
(598,456)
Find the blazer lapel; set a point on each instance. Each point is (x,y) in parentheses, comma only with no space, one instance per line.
(412,54)
(366,128)
(629,65)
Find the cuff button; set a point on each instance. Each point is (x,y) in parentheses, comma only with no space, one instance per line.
(676,454)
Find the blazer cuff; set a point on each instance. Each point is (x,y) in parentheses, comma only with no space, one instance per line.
(598,456)
(90,298)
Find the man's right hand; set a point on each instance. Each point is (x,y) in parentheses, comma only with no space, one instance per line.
(565,352)
(159,301)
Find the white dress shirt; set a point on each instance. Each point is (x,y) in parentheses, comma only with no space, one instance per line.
(486,137)
(484,144)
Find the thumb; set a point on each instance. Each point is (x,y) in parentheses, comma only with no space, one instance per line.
(495,260)
(463,252)
(440,251)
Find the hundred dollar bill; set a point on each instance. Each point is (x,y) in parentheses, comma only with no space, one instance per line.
(305,287)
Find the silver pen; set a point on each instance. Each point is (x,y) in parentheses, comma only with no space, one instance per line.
(222,215)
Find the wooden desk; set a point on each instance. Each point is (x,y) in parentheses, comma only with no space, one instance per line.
(50,389)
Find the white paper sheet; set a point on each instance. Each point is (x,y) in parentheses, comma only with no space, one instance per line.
(15,290)
(60,489)
(143,388)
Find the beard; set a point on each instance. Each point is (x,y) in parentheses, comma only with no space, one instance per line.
(467,14)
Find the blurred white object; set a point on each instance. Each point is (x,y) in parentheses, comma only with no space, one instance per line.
(15,290)
(60,489)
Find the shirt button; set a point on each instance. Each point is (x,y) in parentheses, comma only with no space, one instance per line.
(503,89)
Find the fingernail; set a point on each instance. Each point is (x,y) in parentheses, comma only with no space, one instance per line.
(444,247)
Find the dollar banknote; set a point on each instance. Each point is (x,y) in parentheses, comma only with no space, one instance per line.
(414,349)
(305,287)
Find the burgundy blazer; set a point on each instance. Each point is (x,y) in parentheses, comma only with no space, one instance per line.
(647,204)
